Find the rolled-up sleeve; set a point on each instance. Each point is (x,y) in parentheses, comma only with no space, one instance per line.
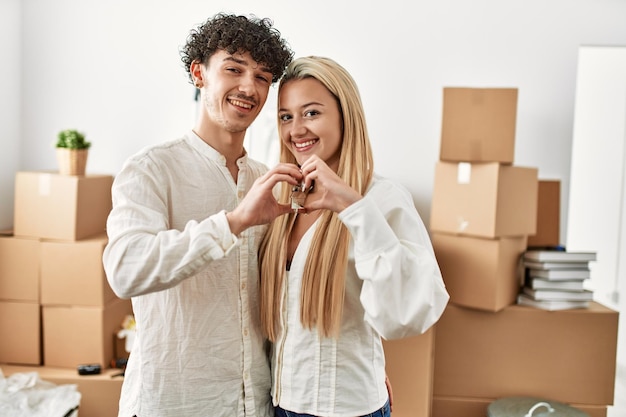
(403,293)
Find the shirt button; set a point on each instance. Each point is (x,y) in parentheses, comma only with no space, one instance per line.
(243,286)
(245,332)
(240,194)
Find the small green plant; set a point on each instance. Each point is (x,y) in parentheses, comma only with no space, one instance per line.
(72,139)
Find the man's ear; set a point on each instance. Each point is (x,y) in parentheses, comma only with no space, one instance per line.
(196,73)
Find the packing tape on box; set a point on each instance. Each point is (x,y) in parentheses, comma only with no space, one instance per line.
(462,224)
(44,185)
(464,173)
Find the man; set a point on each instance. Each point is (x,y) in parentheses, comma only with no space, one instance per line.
(188,216)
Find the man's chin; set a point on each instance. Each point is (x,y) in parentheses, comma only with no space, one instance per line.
(238,127)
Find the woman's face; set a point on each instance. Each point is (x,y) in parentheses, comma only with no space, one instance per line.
(310,121)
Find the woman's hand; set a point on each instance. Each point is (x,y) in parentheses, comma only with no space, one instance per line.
(330,192)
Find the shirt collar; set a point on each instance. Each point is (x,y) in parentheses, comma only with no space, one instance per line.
(207,150)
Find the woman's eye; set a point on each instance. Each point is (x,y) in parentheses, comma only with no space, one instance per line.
(284,117)
(311,113)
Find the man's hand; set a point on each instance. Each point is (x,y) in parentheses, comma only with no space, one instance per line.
(260,206)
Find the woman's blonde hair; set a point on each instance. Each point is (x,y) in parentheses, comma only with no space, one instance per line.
(323,281)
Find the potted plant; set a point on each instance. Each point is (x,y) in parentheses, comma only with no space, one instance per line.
(72,150)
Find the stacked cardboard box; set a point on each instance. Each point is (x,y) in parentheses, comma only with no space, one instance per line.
(410,364)
(548,232)
(56,307)
(484,207)
(20,318)
(566,356)
(484,212)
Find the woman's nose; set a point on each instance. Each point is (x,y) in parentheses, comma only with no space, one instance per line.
(298,128)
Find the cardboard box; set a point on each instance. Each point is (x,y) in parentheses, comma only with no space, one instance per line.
(548,214)
(480,273)
(63,207)
(20,333)
(72,273)
(409,365)
(100,394)
(19,269)
(478,124)
(461,406)
(477,407)
(567,356)
(75,335)
(484,200)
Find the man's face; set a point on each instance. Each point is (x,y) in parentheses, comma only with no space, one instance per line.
(234,89)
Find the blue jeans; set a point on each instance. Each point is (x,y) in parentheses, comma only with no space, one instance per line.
(382,412)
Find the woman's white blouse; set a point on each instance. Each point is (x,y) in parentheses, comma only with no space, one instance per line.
(394,289)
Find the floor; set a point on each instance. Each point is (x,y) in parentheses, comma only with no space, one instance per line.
(619,404)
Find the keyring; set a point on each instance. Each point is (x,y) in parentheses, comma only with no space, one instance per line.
(298,196)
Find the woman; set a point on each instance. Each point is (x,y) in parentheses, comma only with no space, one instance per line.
(355,264)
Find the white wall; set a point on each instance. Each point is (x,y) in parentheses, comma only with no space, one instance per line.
(10,20)
(112,69)
(598,174)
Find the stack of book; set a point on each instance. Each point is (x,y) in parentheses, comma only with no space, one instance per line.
(556,279)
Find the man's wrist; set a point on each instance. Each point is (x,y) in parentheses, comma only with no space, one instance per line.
(235,225)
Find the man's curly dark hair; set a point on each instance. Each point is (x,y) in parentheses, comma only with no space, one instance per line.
(233,34)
